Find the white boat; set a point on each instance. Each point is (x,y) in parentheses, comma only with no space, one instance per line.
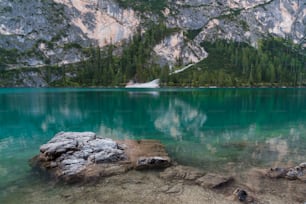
(151,84)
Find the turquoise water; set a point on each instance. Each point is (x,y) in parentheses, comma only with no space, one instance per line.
(207,128)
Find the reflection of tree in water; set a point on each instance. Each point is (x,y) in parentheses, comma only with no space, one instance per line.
(180,119)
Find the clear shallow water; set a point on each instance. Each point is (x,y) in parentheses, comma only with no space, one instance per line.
(214,129)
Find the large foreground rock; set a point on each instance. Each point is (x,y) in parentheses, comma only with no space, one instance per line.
(75,156)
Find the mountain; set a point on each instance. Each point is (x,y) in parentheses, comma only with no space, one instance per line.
(36,34)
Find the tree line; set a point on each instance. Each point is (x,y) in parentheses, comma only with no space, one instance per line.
(275,62)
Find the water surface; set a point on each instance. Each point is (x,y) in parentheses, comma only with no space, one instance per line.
(213,129)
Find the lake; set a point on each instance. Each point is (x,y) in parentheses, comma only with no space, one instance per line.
(212,129)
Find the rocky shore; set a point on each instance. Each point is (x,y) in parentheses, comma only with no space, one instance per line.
(116,167)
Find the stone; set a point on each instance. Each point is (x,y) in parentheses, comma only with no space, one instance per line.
(293,173)
(277,172)
(241,194)
(152,162)
(68,154)
(75,156)
(301,169)
(214,181)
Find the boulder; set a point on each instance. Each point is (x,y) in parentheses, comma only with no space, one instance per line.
(74,156)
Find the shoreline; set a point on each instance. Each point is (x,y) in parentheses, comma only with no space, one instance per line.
(156,89)
(171,185)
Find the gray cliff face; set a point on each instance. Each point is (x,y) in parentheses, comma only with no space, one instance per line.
(238,20)
(177,47)
(39,30)
(55,31)
(241,20)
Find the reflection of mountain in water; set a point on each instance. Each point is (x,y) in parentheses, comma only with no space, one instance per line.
(180,119)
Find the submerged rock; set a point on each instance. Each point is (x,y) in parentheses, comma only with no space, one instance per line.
(181,173)
(74,156)
(195,176)
(214,181)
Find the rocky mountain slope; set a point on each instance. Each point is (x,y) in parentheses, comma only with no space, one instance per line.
(35,33)
(241,20)
(49,32)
